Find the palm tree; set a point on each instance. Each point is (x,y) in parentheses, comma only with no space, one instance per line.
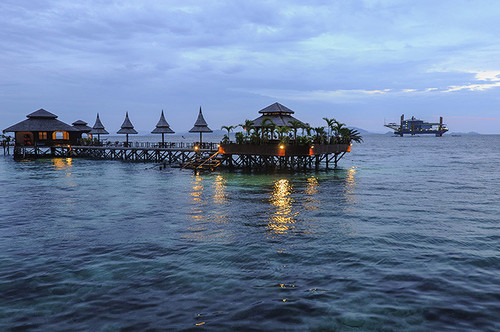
(295,125)
(338,127)
(330,123)
(320,132)
(267,125)
(239,137)
(226,139)
(282,131)
(248,126)
(350,135)
(307,129)
(228,128)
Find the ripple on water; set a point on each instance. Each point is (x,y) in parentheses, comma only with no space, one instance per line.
(402,238)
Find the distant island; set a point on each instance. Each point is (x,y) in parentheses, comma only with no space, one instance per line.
(468,133)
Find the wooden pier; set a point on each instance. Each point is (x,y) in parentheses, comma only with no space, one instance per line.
(205,156)
(269,142)
(171,153)
(282,157)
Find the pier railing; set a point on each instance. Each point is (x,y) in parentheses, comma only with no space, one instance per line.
(159,145)
(209,154)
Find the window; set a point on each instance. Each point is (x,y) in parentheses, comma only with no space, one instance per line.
(42,135)
(60,135)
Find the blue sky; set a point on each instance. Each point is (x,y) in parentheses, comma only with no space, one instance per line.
(361,62)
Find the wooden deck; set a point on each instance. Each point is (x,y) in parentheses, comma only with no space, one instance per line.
(207,156)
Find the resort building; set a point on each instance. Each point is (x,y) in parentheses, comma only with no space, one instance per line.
(43,129)
(83,128)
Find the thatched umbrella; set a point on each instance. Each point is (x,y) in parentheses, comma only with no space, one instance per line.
(162,127)
(127,128)
(200,126)
(98,128)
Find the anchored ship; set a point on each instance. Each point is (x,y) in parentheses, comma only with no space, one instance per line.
(415,126)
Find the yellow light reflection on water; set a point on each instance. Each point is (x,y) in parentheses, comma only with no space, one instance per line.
(197,188)
(220,196)
(350,184)
(311,199)
(63,164)
(205,222)
(283,218)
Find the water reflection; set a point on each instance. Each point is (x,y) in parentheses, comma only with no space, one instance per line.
(65,165)
(197,188)
(60,163)
(350,185)
(283,218)
(207,223)
(312,199)
(220,195)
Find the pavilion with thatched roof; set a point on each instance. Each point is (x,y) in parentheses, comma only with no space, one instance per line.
(98,128)
(200,126)
(43,129)
(127,128)
(279,114)
(162,127)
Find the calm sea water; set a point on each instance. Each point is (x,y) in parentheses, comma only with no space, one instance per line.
(403,236)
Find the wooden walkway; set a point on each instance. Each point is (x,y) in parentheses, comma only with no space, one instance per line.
(205,157)
(172,155)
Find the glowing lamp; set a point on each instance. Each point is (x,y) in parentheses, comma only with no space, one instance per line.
(282,146)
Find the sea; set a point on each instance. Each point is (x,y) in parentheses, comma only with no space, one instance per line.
(403,236)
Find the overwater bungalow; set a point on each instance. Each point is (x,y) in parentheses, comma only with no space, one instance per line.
(83,128)
(43,129)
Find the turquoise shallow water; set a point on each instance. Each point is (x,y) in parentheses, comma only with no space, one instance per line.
(403,236)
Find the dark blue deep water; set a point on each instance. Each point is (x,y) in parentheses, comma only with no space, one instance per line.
(404,236)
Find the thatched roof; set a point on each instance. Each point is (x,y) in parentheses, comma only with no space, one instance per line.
(81,126)
(278,114)
(98,128)
(127,127)
(162,127)
(41,114)
(40,120)
(280,121)
(200,126)
(276,108)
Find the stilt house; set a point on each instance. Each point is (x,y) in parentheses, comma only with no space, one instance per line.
(43,129)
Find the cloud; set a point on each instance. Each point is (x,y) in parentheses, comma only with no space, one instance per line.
(472,87)
(357,95)
(488,75)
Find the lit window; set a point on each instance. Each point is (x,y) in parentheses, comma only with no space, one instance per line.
(64,135)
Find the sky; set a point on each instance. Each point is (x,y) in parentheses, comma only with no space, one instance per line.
(362,62)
